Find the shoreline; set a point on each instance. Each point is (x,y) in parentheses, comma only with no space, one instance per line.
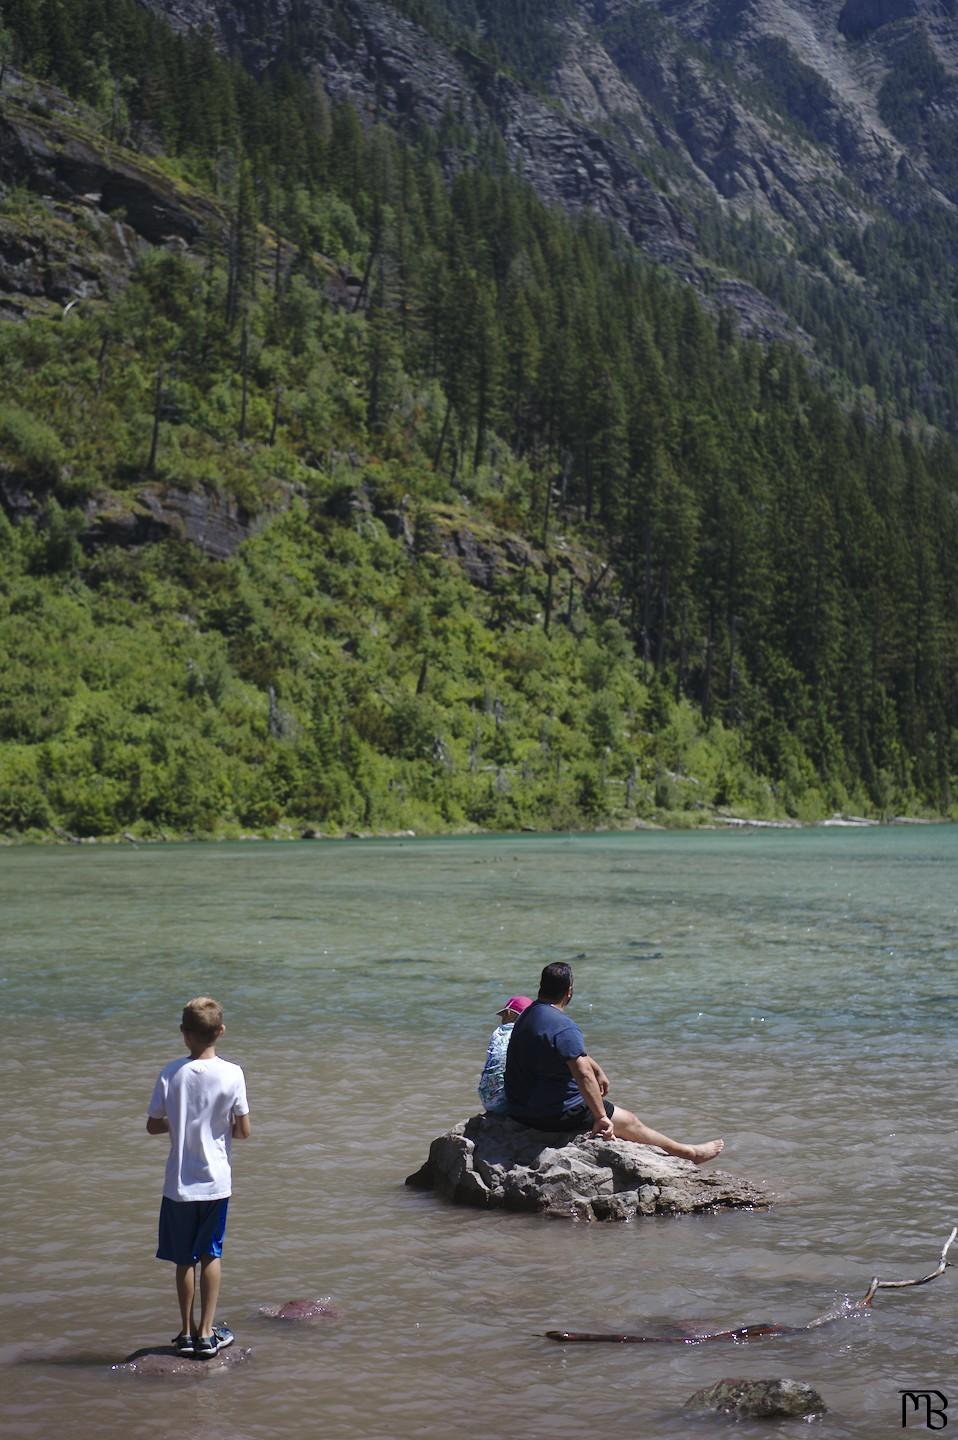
(289,834)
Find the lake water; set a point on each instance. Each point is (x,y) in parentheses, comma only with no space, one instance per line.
(796,992)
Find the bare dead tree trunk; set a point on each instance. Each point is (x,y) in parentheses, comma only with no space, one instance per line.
(548,615)
(647,603)
(547,515)
(592,589)
(157,403)
(442,436)
(566,472)
(276,407)
(732,644)
(683,654)
(524,576)
(101,363)
(367,273)
(664,630)
(278,271)
(232,273)
(244,372)
(709,650)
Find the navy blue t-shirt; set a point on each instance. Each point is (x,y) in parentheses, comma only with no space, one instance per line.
(538,1081)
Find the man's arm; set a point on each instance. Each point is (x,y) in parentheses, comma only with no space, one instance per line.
(583,1071)
(241,1128)
(602,1079)
(157,1125)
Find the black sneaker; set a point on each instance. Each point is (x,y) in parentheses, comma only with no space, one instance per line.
(183,1344)
(223,1336)
(205,1346)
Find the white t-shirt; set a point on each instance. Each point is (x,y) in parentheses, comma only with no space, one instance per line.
(201,1099)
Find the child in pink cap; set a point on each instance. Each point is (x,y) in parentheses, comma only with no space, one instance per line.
(492,1083)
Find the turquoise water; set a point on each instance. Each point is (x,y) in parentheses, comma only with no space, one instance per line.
(794,991)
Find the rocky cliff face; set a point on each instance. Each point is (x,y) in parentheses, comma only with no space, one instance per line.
(87,208)
(655,109)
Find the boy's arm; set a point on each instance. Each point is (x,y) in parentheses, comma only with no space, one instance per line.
(156,1121)
(240,1126)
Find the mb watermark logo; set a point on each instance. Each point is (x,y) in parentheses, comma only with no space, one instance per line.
(924,1407)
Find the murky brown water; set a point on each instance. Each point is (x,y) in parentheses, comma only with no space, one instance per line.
(795,992)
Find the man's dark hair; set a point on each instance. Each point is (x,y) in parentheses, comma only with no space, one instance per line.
(555,981)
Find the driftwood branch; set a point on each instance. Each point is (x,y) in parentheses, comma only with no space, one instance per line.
(757,1332)
(939,1269)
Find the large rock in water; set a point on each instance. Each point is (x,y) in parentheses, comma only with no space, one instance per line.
(759,1399)
(491,1160)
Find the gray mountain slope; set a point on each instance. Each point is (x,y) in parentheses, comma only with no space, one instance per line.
(681,121)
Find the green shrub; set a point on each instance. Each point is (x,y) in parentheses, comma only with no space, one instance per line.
(29,444)
(23,804)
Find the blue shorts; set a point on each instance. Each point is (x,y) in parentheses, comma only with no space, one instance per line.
(190,1229)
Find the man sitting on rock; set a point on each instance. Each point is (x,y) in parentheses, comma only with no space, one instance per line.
(553,1084)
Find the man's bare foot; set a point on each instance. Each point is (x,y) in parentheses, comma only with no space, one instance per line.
(701,1154)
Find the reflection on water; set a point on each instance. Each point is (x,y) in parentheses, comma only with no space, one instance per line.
(793,991)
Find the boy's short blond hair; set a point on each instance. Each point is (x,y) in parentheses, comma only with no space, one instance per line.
(203,1018)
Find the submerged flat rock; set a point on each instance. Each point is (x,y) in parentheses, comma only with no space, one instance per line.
(491,1161)
(300,1311)
(163,1361)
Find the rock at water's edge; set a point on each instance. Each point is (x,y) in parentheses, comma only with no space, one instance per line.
(759,1399)
(492,1161)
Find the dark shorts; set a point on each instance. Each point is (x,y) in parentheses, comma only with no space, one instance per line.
(577,1119)
(190,1229)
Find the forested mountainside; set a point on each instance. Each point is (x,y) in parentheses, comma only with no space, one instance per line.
(795,160)
(346,482)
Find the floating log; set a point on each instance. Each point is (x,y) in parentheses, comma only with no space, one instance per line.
(746,1333)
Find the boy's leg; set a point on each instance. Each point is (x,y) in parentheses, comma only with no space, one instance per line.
(210,1271)
(185,1290)
(174,1244)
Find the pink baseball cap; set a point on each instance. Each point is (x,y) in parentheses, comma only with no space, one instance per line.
(518,1003)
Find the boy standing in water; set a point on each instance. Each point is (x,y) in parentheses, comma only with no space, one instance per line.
(200,1102)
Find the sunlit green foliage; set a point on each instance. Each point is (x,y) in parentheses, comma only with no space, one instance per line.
(768,621)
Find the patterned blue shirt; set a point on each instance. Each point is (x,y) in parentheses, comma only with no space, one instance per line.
(492,1083)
